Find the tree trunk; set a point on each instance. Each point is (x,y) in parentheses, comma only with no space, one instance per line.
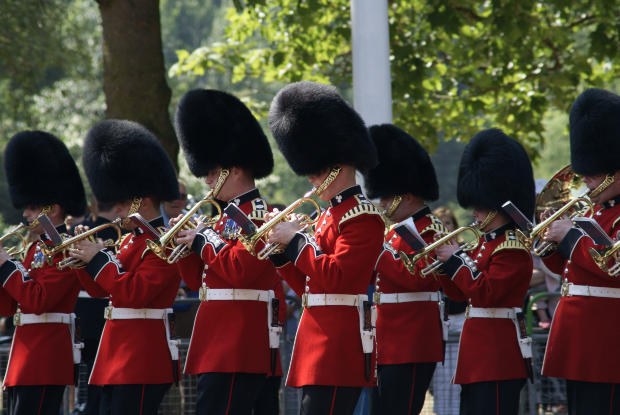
(134,76)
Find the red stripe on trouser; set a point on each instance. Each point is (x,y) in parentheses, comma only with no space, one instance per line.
(412,390)
(331,409)
(497,398)
(41,400)
(230,392)
(142,400)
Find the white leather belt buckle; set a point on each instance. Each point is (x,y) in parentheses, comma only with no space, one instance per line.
(569,289)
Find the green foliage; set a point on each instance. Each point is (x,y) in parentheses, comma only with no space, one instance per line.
(457,66)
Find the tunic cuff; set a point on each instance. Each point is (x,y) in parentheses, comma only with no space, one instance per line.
(567,245)
(456,261)
(6,270)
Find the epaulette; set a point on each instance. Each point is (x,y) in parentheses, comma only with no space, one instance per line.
(363,207)
(511,242)
(259,209)
(436,226)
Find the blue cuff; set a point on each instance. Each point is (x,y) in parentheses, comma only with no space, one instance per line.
(567,245)
(6,270)
(293,249)
(96,264)
(279,260)
(456,261)
(207,236)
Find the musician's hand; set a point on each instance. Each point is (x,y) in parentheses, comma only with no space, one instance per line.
(283,232)
(444,252)
(79,229)
(558,230)
(174,221)
(186,236)
(86,249)
(4,256)
(271,215)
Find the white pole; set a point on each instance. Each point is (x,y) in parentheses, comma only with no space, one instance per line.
(372,89)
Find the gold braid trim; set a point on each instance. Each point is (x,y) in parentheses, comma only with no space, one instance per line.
(363,208)
(511,242)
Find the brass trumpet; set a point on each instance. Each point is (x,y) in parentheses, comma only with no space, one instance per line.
(556,196)
(427,253)
(16,240)
(579,206)
(69,262)
(249,242)
(166,248)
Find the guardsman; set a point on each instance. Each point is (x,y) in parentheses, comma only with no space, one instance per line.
(90,310)
(323,138)
(494,353)
(584,337)
(137,361)
(42,178)
(409,307)
(231,346)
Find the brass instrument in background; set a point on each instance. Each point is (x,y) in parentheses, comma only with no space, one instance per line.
(15,241)
(427,253)
(166,248)
(604,258)
(556,196)
(63,247)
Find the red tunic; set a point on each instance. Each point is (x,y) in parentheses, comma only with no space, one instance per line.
(229,336)
(339,259)
(408,332)
(498,276)
(41,354)
(134,351)
(584,339)
(7,304)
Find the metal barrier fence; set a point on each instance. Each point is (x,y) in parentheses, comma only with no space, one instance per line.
(544,396)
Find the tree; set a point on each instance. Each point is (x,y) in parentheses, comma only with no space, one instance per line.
(457,66)
(134,76)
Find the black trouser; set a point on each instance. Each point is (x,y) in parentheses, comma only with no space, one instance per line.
(589,398)
(228,393)
(402,388)
(268,401)
(491,398)
(132,399)
(35,400)
(329,400)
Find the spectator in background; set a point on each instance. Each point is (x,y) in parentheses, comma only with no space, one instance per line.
(174,208)
(446,394)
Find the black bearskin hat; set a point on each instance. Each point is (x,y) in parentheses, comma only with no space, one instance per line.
(316,129)
(40,171)
(123,160)
(404,166)
(494,169)
(216,129)
(595,133)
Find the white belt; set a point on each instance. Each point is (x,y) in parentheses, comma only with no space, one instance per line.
(21,319)
(569,289)
(525,344)
(313,300)
(116,313)
(234,294)
(490,312)
(390,298)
